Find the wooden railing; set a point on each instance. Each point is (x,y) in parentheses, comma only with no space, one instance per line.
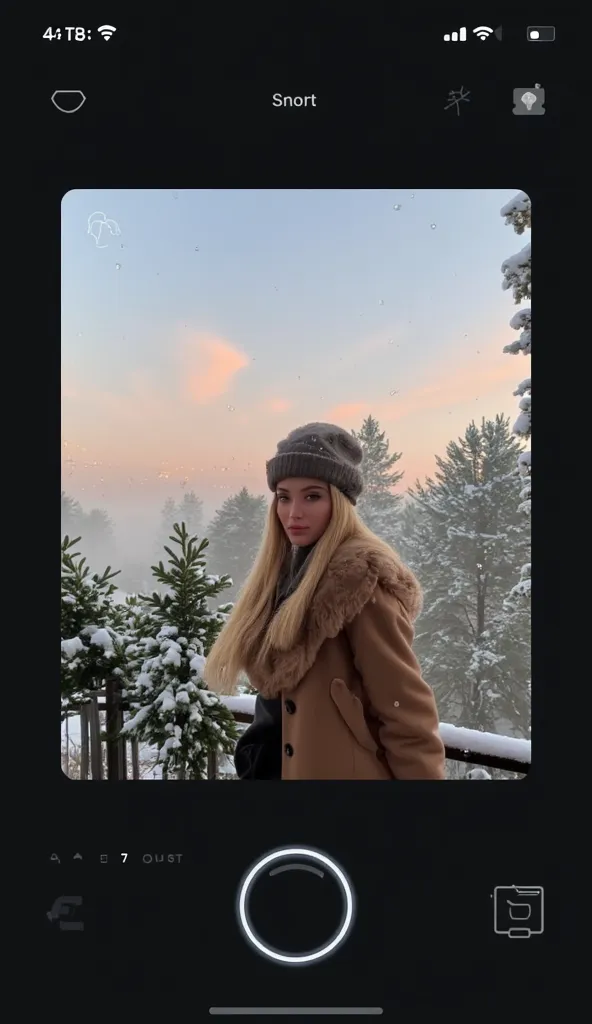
(121,759)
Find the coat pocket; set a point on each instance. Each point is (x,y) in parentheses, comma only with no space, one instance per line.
(351,710)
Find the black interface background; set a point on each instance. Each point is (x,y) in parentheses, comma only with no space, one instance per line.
(188,105)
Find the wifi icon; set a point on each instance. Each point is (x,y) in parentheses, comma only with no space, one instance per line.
(108,30)
(483,32)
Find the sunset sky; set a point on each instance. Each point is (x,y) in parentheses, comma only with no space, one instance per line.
(218,320)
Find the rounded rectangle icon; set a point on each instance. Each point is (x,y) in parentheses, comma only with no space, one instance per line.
(529,101)
(518,911)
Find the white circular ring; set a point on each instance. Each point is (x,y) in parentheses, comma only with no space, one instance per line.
(320,858)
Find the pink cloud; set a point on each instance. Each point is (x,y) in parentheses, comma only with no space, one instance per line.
(277,405)
(209,366)
(456,387)
(445,389)
(349,410)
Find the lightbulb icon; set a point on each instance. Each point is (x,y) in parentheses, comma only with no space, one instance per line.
(529,99)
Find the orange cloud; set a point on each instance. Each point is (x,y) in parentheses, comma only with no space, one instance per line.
(209,367)
(459,386)
(349,410)
(278,405)
(447,388)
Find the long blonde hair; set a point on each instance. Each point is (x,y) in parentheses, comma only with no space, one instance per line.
(251,629)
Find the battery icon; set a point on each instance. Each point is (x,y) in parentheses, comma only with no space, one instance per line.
(540,33)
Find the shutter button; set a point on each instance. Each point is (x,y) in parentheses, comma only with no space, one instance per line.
(316,899)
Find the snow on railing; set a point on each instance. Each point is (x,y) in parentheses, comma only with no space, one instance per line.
(488,743)
(464,741)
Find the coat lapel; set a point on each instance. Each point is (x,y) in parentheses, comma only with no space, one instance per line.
(348,584)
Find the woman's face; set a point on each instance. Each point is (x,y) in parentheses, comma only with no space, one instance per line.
(303,508)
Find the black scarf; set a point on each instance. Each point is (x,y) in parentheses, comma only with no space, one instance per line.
(292,574)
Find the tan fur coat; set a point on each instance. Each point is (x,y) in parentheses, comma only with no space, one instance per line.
(355,705)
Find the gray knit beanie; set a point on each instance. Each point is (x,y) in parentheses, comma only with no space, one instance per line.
(321,451)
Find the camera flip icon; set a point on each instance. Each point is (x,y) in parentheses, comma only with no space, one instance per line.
(519,911)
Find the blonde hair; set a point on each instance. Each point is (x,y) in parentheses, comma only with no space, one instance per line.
(252,628)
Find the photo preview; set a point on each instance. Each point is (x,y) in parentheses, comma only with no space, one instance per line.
(247,375)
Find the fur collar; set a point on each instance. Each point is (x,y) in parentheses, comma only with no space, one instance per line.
(352,576)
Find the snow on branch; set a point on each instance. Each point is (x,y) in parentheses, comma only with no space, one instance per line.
(516,272)
(521,321)
(517,213)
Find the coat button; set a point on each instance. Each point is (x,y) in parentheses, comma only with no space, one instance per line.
(290,707)
(288,750)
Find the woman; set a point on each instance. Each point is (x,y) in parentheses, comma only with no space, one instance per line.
(323,630)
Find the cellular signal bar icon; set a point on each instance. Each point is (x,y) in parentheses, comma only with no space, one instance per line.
(456,37)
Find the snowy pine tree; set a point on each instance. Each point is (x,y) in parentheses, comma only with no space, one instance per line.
(235,535)
(378,507)
(89,623)
(517,272)
(465,539)
(172,709)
